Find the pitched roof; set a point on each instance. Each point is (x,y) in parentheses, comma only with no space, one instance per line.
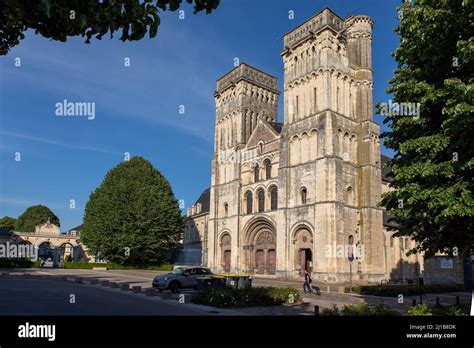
(277,126)
(264,130)
(205,200)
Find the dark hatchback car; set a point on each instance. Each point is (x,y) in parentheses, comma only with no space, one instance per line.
(180,278)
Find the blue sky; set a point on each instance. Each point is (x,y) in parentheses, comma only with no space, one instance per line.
(137,107)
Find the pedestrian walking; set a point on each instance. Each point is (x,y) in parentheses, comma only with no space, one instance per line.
(307,282)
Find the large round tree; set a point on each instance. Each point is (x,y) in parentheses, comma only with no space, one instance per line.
(433,200)
(34,216)
(133,217)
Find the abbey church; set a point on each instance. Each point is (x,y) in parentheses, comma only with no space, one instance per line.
(302,194)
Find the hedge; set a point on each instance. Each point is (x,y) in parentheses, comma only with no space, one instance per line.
(87,265)
(25,263)
(18,263)
(424,310)
(407,290)
(361,309)
(246,297)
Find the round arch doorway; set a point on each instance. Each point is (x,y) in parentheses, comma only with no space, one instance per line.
(226,252)
(265,256)
(259,247)
(303,247)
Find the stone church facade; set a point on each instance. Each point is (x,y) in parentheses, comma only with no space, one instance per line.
(302,194)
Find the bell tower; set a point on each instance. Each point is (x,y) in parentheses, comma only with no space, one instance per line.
(242,96)
(330,144)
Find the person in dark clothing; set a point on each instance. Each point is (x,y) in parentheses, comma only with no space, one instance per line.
(307,282)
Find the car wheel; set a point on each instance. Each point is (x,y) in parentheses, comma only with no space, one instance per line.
(174,287)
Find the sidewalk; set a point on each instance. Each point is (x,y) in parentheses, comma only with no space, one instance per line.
(339,298)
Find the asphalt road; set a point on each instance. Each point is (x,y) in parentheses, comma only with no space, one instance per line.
(47,297)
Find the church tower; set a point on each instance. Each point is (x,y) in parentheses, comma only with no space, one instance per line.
(329,175)
(243,96)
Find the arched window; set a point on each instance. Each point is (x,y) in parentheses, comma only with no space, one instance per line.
(249,198)
(268,169)
(261,201)
(274,198)
(256,172)
(304,195)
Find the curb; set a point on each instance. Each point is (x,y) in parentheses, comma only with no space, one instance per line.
(148,292)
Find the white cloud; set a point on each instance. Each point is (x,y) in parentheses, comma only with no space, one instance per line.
(57,143)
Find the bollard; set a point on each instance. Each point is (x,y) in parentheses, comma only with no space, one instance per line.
(413,302)
(124,286)
(438,304)
(457,300)
(316,310)
(114,285)
(150,292)
(137,289)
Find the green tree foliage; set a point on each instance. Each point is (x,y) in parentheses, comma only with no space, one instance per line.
(432,167)
(59,20)
(133,216)
(8,222)
(34,216)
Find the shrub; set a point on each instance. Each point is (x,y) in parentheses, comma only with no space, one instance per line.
(330,311)
(356,309)
(383,310)
(18,263)
(418,310)
(457,311)
(247,297)
(365,309)
(361,309)
(452,310)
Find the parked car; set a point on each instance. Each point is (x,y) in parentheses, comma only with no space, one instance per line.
(180,278)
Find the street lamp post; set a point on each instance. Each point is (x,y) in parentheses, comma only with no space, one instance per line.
(420,281)
(350,257)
